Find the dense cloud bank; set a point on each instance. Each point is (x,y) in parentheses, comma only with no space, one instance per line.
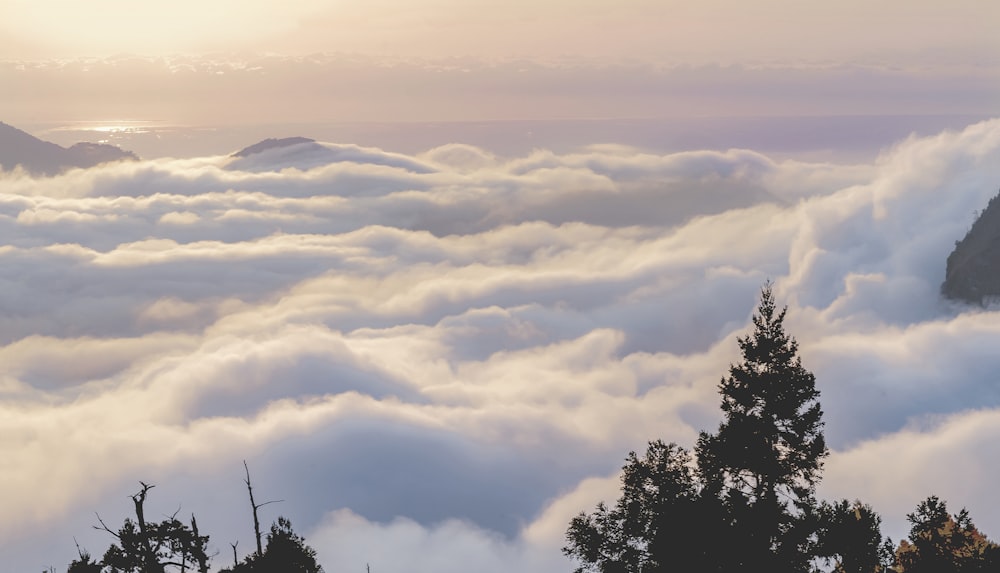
(449,354)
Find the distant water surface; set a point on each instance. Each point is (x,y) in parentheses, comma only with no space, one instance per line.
(823,138)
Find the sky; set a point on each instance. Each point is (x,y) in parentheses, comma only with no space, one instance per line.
(266,62)
(437,346)
(894,30)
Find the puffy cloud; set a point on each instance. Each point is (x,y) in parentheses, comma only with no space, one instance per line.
(451,353)
(348,541)
(944,455)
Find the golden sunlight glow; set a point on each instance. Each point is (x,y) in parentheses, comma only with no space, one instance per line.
(718,30)
(118,129)
(110,126)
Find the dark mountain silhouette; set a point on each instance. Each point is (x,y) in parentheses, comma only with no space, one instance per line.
(271,143)
(973,269)
(44,158)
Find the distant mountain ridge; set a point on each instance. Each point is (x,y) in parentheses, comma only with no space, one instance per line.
(44,158)
(972,272)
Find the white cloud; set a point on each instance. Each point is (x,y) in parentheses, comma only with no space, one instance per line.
(346,541)
(450,354)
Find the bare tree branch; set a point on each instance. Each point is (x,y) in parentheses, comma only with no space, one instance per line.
(149,554)
(104,526)
(255,506)
(79,551)
(256,522)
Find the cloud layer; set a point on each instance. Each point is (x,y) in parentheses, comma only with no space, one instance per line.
(449,354)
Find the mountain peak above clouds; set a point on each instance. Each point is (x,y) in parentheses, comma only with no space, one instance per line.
(271,143)
(44,158)
(973,268)
(303,153)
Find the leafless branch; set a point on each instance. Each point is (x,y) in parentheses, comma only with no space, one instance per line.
(256,522)
(78,550)
(104,526)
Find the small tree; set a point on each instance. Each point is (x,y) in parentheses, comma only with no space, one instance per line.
(148,547)
(943,543)
(850,537)
(84,564)
(170,546)
(285,552)
(658,524)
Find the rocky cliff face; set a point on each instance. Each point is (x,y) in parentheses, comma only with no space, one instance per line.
(973,270)
(41,157)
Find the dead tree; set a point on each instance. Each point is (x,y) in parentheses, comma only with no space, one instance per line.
(255,506)
(198,550)
(152,547)
(148,554)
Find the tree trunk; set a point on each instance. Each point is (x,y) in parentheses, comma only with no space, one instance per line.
(150,562)
(255,507)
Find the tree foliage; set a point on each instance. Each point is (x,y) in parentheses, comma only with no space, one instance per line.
(170,546)
(850,538)
(944,543)
(163,545)
(764,461)
(770,444)
(148,547)
(85,564)
(656,524)
(285,552)
(745,501)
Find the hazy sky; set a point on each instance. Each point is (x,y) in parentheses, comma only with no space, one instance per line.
(895,31)
(261,62)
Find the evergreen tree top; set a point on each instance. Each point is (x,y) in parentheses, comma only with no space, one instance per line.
(767,454)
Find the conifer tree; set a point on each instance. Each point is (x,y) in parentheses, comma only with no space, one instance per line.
(765,459)
(746,500)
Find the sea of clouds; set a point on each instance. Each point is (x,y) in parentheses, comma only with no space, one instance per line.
(436,360)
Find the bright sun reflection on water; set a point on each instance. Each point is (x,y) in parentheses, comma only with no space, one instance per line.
(117,128)
(110,127)
(112,131)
